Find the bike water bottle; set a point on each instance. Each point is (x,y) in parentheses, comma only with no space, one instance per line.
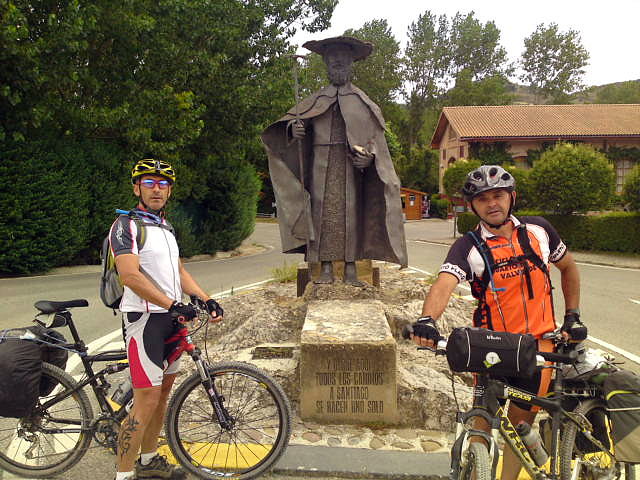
(533,442)
(124,393)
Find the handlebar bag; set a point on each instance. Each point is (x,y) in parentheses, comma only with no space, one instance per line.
(622,393)
(500,354)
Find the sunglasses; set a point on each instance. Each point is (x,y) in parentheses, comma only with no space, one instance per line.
(151,183)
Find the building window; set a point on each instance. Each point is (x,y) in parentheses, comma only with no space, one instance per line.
(412,199)
(444,153)
(623,167)
(461,151)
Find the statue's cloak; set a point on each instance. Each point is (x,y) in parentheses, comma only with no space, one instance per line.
(380,221)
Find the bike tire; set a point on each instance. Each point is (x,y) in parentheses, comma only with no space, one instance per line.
(478,465)
(594,464)
(55,452)
(260,433)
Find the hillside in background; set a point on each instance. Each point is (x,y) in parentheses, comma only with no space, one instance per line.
(525,96)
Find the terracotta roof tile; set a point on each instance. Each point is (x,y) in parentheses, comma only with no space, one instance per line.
(541,121)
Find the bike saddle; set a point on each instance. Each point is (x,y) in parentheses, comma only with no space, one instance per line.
(47,306)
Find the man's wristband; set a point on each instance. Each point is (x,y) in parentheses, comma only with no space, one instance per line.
(427,319)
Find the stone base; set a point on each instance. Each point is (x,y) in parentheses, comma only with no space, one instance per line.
(310,271)
(347,364)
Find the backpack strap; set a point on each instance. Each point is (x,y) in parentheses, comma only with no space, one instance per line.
(489,261)
(529,254)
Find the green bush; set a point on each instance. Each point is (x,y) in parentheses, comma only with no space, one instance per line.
(456,174)
(631,189)
(228,210)
(439,207)
(524,197)
(572,178)
(606,233)
(44,219)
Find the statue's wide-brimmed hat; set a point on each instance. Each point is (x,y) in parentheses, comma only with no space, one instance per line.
(360,49)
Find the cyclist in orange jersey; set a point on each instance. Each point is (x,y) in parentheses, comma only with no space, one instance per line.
(506,260)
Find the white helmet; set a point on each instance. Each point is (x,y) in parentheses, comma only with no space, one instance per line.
(487,177)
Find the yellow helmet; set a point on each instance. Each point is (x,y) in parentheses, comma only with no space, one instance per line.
(149,166)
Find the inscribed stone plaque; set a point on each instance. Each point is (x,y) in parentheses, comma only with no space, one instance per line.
(347,363)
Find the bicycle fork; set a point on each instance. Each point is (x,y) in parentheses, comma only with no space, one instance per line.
(225,420)
(464,436)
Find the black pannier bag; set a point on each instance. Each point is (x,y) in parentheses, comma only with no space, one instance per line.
(50,354)
(20,375)
(501,354)
(21,381)
(622,393)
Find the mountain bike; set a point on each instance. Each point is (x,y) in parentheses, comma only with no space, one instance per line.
(227,419)
(578,448)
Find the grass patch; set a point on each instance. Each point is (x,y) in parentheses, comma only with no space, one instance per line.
(285,274)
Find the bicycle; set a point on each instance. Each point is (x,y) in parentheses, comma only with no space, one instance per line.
(226,419)
(577,450)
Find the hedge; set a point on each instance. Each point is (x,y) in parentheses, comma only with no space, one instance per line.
(607,232)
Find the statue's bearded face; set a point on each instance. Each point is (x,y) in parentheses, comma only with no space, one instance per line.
(339,61)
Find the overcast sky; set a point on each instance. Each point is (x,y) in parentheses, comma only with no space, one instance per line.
(610,30)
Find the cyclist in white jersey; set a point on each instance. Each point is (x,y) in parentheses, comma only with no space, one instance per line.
(154,281)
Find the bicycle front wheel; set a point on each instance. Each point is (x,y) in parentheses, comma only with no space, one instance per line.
(259,430)
(576,451)
(478,464)
(50,440)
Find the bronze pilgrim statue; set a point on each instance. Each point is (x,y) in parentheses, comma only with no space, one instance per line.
(346,204)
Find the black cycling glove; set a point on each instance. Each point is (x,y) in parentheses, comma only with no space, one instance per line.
(573,326)
(425,327)
(214,308)
(182,313)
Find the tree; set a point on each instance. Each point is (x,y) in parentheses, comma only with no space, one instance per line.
(488,91)
(380,74)
(631,189)
(130,75)
(428,58)
(553,62)
(440,51)
(476,48)
(623,92)
(572,178)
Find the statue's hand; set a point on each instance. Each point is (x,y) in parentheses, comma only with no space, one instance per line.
(297,129)
(361,161)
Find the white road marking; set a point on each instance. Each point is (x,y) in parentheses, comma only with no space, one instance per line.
(613,348)
(608,266)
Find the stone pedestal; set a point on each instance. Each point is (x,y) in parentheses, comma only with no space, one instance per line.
(310,271)
(347,364)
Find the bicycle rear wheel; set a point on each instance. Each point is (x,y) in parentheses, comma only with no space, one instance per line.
(576,451)
(43,444)
(250,447)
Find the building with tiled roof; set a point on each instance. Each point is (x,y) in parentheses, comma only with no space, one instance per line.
(532,127)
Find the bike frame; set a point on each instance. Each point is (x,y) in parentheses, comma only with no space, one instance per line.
(500,424)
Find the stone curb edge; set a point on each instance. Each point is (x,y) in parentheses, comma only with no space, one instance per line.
(342,462)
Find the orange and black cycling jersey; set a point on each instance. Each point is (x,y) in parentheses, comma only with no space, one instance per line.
(509,304)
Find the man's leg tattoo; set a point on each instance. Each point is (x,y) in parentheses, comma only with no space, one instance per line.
(128,427)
